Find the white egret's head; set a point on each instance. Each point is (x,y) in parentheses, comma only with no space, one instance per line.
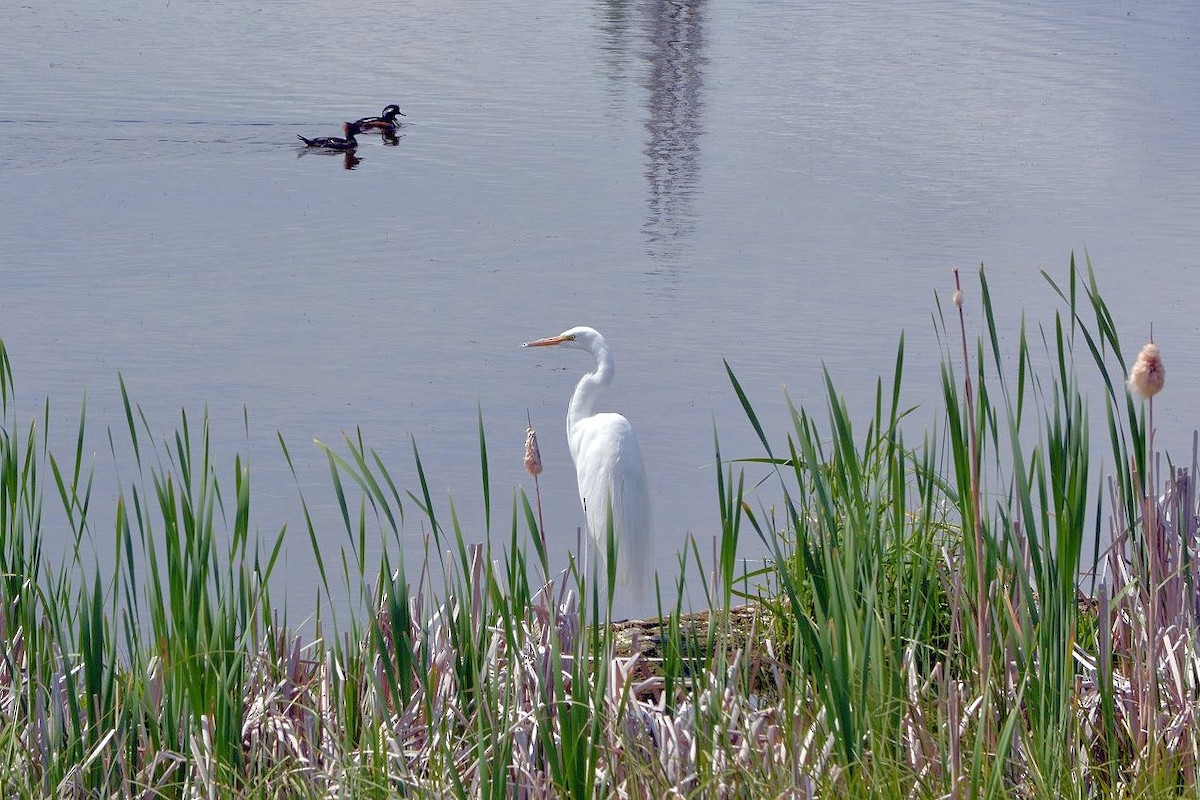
(580,338)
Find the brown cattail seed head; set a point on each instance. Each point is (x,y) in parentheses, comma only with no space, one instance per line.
(533,458)
(1148,375)
(958,297)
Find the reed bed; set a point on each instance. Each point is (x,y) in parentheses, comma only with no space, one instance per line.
(929,623)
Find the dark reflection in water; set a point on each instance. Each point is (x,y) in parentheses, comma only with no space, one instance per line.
(672,32)
(350,158)
(390,139)
(675,35)
(617,26)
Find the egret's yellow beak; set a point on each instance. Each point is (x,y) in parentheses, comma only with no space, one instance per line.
(553,340)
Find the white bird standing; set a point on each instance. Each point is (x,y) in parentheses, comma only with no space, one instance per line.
(608,464)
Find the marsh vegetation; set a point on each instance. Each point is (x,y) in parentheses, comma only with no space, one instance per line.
(972,608)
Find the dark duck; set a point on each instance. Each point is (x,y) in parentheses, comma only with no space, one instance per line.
(385,122)
(335,142)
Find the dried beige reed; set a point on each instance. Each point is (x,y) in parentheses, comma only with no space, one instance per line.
(1146,379)
(533,456)
(1148,375)
(533,465)
(982,599)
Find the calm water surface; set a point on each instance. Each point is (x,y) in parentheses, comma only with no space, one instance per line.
(777,184)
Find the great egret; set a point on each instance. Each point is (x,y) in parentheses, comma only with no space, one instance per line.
(608,464)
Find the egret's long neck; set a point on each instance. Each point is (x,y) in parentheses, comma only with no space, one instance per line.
(583,402)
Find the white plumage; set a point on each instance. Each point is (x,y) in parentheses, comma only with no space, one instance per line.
(608,464)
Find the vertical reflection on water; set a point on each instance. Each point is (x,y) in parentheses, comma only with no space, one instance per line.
(675,35)
(616,25)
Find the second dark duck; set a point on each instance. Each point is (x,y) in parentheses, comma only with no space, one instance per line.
(384,123)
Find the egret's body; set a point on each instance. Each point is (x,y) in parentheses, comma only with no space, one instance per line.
(608,464)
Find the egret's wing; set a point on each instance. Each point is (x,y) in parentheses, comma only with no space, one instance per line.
(609,468)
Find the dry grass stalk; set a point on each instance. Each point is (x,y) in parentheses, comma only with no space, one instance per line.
(982,607)
(533,465)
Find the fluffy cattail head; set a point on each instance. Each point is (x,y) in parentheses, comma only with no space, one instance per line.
(533,457)
(957,297)
(1148,375)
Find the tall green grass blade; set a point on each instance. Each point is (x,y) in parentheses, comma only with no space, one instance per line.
(749,409)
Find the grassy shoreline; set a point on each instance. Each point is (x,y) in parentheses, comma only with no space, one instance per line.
(918,631)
